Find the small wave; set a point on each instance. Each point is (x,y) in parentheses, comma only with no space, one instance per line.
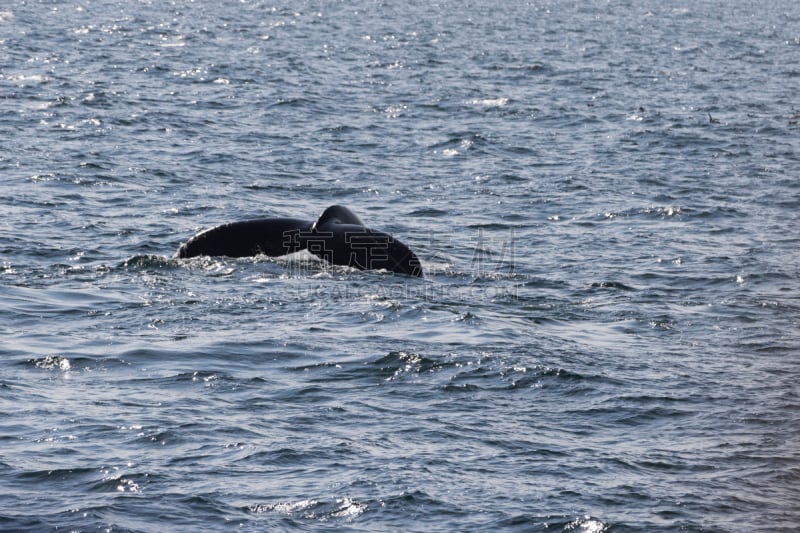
(51,362)
(461,387)
(431,212)
(204,377)
(147,262)
(487,377)
(488,102)
(23,79)
(283,507)
(119,484)
(663,212)
(396,364)
(617,285)
(633,417)
(281,457)
(72,363)
(458,144)
(587,524)
(520,69)
(346,509)
(584,524)
(58,474)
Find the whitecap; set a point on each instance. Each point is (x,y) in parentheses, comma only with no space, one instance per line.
(348,508)
(488,102)
(284,507)
(54,362)
(22,78)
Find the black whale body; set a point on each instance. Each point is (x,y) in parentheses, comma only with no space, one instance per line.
(337,236)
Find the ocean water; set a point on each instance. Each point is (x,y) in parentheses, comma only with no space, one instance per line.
(605,196)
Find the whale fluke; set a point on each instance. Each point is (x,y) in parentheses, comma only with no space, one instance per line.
(338,236)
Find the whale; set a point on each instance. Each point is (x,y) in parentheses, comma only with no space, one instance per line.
(338,236)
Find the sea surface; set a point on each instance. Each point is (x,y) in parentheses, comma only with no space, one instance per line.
(605,196)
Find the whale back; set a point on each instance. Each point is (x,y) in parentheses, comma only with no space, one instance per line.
(268,236)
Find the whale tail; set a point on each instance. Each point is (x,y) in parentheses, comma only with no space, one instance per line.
(337,214)
(338,236)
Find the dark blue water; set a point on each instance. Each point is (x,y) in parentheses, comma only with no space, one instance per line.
(605,197)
